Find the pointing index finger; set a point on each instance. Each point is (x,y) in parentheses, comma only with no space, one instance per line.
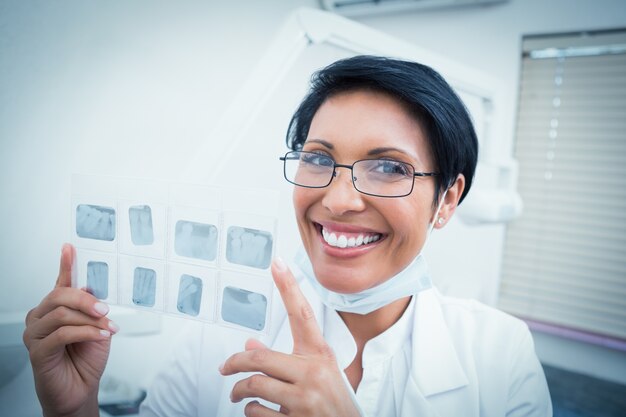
(307,337)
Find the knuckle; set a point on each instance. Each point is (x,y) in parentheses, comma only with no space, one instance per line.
(29,316)
(323,374)
(255,382)
(61,313)
(327,352)
(320,374)
(306,312)
(26,338)
(61,334)
(56,293)
(259,356)
(309,402)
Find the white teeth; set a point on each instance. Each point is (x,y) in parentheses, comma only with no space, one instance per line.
(343,241)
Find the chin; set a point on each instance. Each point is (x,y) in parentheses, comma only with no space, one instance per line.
(341,280)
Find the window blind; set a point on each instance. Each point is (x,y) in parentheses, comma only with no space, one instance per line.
(564,259)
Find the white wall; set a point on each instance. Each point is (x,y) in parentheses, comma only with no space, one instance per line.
(87,85)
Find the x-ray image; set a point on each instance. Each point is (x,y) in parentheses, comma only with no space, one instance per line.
(98,279)
(141,231)
(144,287)
(244,308)
(95,222)
(195,240)
(189,295)
(249,247)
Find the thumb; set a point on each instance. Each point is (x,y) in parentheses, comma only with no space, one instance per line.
(68,253)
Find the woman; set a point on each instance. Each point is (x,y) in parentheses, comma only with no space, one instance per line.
(383,151)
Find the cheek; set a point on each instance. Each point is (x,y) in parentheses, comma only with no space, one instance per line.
(303,199)
(410,223)
(298,202)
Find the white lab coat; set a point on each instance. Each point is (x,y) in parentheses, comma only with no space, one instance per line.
(465,359)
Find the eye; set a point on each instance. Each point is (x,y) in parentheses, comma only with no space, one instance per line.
(317,159)
(391,167)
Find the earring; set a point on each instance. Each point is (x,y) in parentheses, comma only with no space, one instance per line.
(440,220)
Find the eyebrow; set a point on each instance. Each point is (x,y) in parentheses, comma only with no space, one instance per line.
(371,152)
(378,151)
(321,141)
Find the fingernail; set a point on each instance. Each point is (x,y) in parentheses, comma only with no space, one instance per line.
(221,367)
(105,333)
(101,308)
(114,327)
(280,264)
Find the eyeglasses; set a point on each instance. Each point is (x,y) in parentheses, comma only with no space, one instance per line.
(376,177)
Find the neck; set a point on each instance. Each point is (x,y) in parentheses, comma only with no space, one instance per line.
(364,327)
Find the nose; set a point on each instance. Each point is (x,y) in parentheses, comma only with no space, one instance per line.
(341,197)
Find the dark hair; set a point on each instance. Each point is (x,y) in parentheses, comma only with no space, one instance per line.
(421,89)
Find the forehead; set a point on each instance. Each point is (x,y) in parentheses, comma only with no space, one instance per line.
(356,122)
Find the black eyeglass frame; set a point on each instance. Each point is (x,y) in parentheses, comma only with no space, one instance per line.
(351,168)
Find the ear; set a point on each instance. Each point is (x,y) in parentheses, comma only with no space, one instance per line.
(450,202)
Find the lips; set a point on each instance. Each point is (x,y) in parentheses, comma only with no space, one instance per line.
(347,236)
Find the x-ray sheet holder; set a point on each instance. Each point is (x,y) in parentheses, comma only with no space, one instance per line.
(193,251)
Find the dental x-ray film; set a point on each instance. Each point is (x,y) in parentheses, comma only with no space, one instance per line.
(140,221)
(244,308)
(98,279)
(195,235)
(195,240)
(144,286)
(244,300)
(141,282)
(248,241)
(95,222)
(98,274)
(179,249)
(189,295)
(192,291)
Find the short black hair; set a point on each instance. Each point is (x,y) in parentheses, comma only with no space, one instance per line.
(440,111)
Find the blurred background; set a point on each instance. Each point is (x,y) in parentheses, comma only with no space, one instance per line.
(141,88)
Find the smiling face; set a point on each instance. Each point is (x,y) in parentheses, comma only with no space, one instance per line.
(356,241)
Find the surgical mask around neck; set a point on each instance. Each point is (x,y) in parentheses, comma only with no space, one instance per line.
(411,280)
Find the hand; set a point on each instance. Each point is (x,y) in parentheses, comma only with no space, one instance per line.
(68,339)
(307,382)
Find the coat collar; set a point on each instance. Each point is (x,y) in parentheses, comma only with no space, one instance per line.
(435,366)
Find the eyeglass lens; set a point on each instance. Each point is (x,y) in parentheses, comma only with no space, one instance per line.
(383,177)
